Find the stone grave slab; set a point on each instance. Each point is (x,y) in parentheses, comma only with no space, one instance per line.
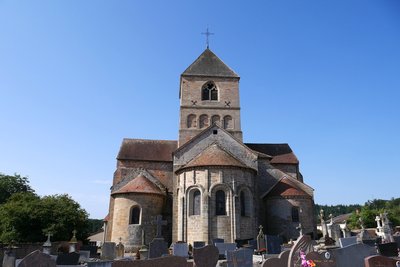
(324,259)
(379,261)
(224,247)
(198,244)
(68,259)
(388,249)
(100,264)
(206,256)
(180,249)
(274,243)
(280,261)
(218,240)
(9,258)
(242,257)
(108,251)
(37,259)
(252,244)
(168,261)
(353,255)
(92,249)
(157,248)
(347,241)
(84,255)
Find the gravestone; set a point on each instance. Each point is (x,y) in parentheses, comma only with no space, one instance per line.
(397,240)
(157,248)
(347,241)
(252,244)
(224,247)
(379,261)
(68,259)
(242,257)
(261,240)
(388,249)
(159,222)
(99,264)
(206,256)
(92,249)
(218,240)
(108,251)
(353,255)
(84,255)
(9,258)
(274,243)
(37,259)
(180,249)
(280,261)
(304,244)
(324,259)
(169,261)
(198,244)
(120,249)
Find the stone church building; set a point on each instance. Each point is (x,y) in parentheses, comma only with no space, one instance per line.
(208,184)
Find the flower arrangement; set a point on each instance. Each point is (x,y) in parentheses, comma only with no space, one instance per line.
(305,262)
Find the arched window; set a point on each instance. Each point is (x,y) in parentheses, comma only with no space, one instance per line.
(228,123)
(196,202)
(209,91)
(295,214)
(203,121)
(215,119)
(220,205)
(242,204)
(191,121)
(135,215)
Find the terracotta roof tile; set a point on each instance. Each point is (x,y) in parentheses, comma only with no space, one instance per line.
(139,185)
(147,150)
(214,156)
(281,153)
(285,187)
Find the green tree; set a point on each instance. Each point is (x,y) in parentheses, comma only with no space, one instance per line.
(11,184)
(26,217)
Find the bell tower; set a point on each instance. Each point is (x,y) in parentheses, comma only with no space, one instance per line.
(209,93)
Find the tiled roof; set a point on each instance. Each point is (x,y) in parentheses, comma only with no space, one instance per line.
(281,153)
(285,187)
(147,150)
(214,156)
(208,64)
(139,185)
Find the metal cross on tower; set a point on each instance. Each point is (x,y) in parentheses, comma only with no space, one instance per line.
(207,34)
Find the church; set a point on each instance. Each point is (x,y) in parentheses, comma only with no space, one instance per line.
(207,184)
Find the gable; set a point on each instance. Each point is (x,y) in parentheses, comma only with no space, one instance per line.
(139,184)
(287,186)
(229,151)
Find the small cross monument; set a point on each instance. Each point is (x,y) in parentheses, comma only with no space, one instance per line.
(159,222)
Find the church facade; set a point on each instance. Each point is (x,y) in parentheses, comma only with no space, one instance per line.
(208,184)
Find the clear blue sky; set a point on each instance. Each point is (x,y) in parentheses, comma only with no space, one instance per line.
(76,77)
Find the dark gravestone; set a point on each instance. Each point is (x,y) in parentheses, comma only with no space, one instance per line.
(218,240)
(274,243)
(157,248)
(92,249)
(169,261)
(388,249)
(281,261)
(206,256)
(252,244)
(198,244)
(108,251)
(9,258)
(397,240)
(324,259)
(242,257)
(37,259)
(353,255)
(68,259)
(347,241)
(224,247)
(379,261)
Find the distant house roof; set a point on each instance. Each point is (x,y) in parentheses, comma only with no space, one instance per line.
(214,156)
(147,150)
(286,187)
(139,185)
(208,64)
(280,153)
